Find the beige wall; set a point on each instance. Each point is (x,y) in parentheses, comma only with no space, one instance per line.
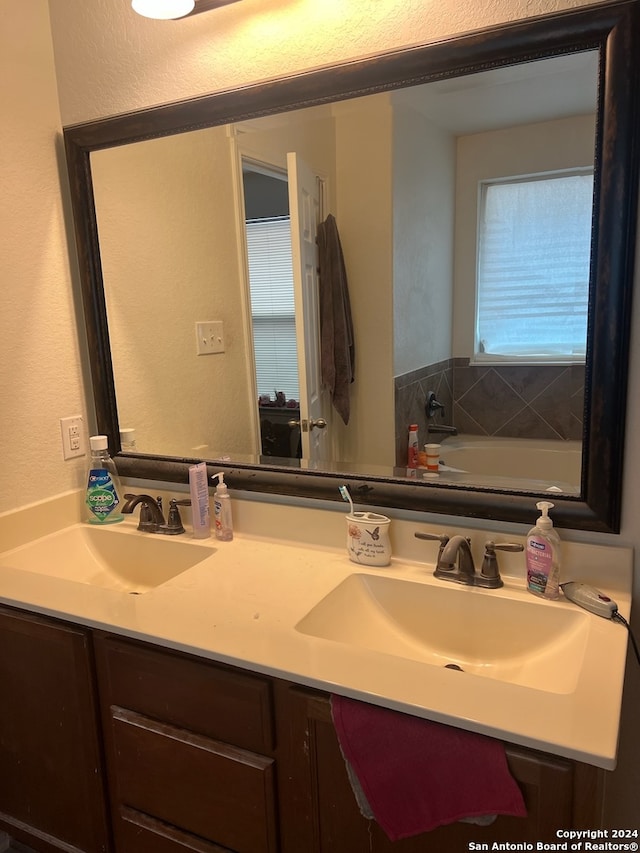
(107,61)
(169,247)
(41,379)
(364,216)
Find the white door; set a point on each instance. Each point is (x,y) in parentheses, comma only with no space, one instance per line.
(304,205)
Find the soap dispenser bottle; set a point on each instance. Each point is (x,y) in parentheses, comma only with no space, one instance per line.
(543,556)
(222,509)
(104,493)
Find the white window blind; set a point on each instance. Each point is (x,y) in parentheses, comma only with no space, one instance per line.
(272,306)
(534,247)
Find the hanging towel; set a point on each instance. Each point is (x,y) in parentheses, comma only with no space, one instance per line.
(416,775)
(337,352)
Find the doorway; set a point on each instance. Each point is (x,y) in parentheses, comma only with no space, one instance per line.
(272,302)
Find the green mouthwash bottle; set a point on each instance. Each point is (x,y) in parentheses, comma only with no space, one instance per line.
(104,493)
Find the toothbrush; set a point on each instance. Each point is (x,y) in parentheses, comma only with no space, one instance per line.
(344,491)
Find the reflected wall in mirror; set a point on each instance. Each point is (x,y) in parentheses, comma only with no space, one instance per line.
(401,168)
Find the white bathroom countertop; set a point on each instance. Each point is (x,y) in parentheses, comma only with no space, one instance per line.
(241,605)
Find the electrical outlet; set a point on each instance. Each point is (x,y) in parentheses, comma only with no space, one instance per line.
(209,337)
(73,440)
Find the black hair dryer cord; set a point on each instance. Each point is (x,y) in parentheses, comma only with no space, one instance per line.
(618,618)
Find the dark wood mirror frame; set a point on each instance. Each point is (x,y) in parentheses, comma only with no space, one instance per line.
(612,29)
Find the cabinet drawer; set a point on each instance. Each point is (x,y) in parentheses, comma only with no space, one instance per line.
(139,833)
(189,693)
(213,790)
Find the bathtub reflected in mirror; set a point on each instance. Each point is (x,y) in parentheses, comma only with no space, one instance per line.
(536,465)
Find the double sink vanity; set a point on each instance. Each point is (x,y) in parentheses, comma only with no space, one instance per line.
(184,685)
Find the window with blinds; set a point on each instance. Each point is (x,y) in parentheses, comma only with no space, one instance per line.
(534,247)
(272,306)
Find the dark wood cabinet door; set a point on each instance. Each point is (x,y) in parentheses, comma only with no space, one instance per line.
(51,788)
(212,790)
(324,815)
(185,743)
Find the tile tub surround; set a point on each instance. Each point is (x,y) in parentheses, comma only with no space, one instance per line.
(509,401)
(242,605)
(519,401)
(411,391)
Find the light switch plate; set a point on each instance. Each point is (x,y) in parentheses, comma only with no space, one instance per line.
(209,337)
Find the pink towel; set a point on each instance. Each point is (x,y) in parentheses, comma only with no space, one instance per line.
(417,775)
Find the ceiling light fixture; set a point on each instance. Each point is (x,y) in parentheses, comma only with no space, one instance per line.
(164,10)
(170,9)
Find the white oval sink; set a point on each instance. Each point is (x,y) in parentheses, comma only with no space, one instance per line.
(530,643)
(114,558)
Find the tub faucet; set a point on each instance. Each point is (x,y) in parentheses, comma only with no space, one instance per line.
(441,429)
(431,407)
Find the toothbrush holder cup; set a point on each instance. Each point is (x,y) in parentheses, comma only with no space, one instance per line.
(368,538)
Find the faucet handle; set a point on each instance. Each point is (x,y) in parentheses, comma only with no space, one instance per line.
(174,525)
(442,538)
(490,573)
(432,405)
(505,546)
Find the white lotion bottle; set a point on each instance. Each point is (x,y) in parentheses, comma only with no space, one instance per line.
(199,491)
(222,509)
(543,556)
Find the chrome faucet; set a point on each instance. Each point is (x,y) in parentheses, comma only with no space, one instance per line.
(431,407)
(151,517)
(455,561)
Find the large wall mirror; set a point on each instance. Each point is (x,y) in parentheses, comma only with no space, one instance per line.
(452,172)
